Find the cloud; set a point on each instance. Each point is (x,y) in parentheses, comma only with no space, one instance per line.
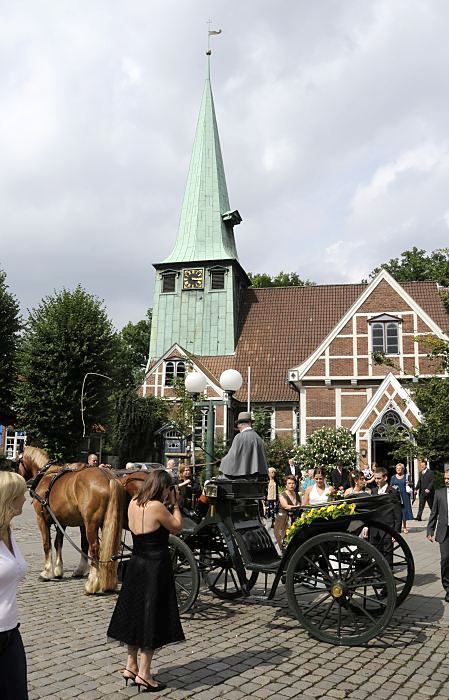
(332,118)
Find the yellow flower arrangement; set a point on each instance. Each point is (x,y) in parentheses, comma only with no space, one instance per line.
(331,512)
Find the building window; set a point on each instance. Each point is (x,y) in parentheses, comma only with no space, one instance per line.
(14,443)
(169,283)
(386,338)
(200,430)
(385,334)
(174,369)
(217,279)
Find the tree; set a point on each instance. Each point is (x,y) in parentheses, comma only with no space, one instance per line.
(416,265)
(279,451)
(136,419)
(432,398)
(9,330)
(134,339)
(66,337)
(282,279)
(326,447)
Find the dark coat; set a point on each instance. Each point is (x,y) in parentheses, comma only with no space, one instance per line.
(246,456)
(340,479)
(438,517)
(391,516)
(425,481)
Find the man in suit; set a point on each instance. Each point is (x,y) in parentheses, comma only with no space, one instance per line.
(247,457)
(292,469)
(425,487)
(340,478)
(391,514)
(438,526)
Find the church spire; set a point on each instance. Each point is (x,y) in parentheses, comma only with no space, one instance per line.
(206,225)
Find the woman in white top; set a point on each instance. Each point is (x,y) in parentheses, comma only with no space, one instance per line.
(13,673)
(318,494)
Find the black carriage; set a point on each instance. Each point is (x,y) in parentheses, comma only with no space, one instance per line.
(343,577)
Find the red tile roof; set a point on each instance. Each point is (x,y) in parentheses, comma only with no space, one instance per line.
(282,326)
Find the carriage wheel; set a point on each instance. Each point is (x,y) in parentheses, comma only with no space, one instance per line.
(340,588)
(218,570)
(185,570)
(397,553)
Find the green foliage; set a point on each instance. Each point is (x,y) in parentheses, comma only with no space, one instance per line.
(279,451)
(136,419)
(432,436)
(134,341)
(379,358)
(326,447)
(282,279)
(400,447)
(416,265)
(68,335)
(9,329)
(262,422)
(183,410)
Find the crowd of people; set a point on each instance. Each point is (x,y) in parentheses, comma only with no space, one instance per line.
(314,487)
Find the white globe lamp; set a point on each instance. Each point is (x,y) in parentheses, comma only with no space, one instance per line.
(231,380)
(195,383)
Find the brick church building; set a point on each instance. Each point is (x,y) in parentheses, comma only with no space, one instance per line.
(313,352)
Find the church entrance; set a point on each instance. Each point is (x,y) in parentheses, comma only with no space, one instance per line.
(381,446)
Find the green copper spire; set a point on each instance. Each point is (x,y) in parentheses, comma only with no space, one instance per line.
(205,229)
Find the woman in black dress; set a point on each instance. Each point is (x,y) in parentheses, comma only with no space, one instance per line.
(146,614)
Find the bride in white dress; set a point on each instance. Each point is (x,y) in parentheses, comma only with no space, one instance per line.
(318,494)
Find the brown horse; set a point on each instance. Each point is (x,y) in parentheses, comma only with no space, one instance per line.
(86,497)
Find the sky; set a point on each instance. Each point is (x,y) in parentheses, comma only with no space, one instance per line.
(333,118)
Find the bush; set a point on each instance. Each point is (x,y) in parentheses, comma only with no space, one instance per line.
(327,447)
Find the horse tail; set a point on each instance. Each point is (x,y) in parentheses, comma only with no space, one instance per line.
(110,537)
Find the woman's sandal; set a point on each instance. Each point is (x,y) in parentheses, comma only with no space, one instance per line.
(131,677)
(405,531)
(147,686)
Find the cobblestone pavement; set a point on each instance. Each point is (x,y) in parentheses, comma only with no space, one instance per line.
(244,649)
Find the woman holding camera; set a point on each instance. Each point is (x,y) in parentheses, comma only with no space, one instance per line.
(13,670)
(146,615)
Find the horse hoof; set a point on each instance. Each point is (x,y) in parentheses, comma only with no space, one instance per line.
(59,577)
(44,578)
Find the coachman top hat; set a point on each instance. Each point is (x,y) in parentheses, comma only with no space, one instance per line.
(244,417)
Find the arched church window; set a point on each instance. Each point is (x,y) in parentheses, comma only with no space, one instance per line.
(174,369)
(385,334)
(378,337)
(169,373)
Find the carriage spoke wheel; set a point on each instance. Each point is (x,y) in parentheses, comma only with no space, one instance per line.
(185,571)
(397,553)
(340,588)
(218,570)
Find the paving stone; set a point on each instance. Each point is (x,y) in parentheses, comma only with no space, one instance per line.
(234,649)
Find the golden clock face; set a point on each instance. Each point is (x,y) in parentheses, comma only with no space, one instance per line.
(193,279)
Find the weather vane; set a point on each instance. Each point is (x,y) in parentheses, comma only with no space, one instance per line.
(211,32)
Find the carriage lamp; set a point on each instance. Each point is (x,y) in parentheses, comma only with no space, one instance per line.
(195,384)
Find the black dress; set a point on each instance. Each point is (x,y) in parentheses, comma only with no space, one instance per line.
(146,613)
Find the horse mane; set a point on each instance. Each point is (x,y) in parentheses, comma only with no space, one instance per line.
(38,456)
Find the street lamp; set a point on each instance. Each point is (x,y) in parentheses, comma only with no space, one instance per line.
(230,381)
(196,383)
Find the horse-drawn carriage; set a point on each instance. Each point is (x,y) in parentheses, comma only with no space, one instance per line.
(343,577)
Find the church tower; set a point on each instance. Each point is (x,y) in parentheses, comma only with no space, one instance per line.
(198,286)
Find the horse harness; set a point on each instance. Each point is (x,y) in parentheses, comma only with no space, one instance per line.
(46,506)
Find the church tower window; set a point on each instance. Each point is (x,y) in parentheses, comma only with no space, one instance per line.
(168,282)
(217,277)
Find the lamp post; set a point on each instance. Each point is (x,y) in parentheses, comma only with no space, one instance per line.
(195,384)
(230,381)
